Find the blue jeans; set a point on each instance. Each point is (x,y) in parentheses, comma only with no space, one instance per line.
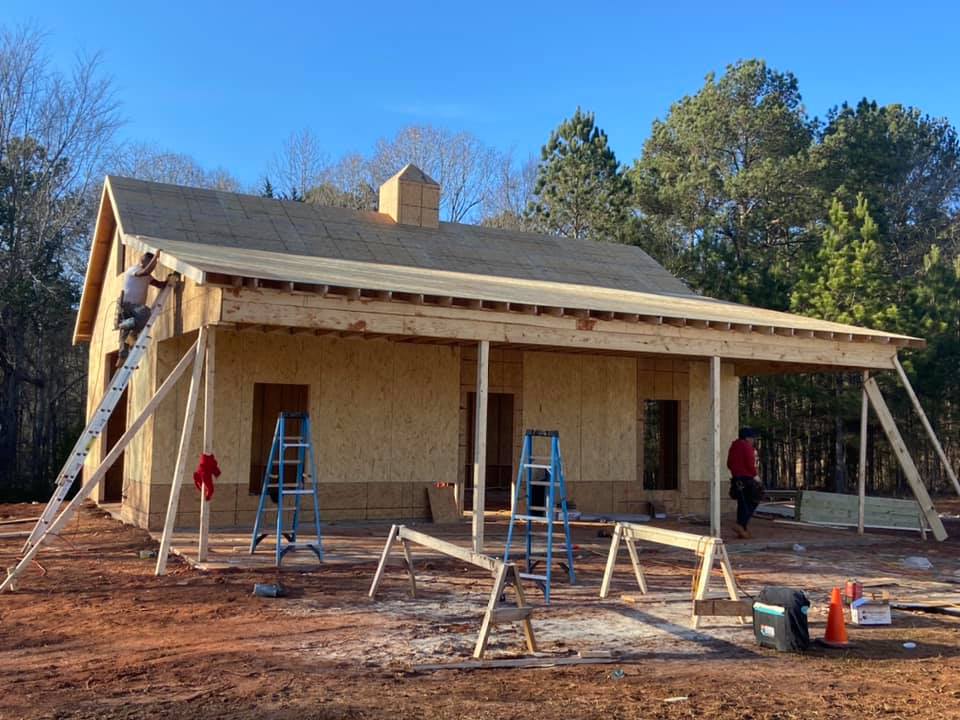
(745,492)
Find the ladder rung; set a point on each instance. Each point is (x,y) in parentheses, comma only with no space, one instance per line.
(531,576)
(535,466)
(294,445)
(298,492)
(541,483)
(540,518)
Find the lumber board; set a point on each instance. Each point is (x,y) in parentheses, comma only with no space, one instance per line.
(522,663)
(716,467)
(480,444)
(443,505)
(448,548)
(181,466)
(862,459)
(918,408)
(209,385)
(663,536)
(522,329)
(723,607)
(841,509)
(906,462)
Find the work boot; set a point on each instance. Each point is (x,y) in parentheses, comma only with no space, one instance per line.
(740,531)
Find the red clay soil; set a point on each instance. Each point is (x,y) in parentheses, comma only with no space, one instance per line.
(99,637)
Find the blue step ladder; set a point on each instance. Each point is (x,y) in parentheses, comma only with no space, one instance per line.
(540,480)
(289,475)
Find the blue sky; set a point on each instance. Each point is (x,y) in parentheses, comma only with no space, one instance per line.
(227,82)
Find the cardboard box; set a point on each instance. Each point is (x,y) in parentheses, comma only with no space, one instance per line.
(870,612)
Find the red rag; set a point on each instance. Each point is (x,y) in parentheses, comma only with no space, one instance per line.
(207,470)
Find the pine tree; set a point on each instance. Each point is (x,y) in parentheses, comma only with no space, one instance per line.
(581,190)
(848,281)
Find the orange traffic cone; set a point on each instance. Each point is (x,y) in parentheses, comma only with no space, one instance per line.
(836,629)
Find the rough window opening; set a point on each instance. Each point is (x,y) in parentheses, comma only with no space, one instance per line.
(269,400)
(661,445)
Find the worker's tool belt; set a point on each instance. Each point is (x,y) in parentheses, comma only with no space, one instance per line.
(752,490)
(129,311)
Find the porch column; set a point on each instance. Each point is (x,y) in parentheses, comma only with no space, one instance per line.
(862,468)
(480,443)
(208,388)
(717,465)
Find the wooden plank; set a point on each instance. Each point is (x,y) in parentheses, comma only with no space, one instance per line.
(514,578)
(485,627)
(905,381)
(906,462)
(635,561)
(408,559)
(384,557)
(724,608)
(470,325)
(862,463)
(716,467)
(448,548)
(181,466)
(611,561)
(209,384)
(703,581)
(841,509)
(663,536)
(480,443)
(523,663)
(443,506)
(91,484)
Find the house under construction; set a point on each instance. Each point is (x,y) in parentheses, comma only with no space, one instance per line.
(395,331)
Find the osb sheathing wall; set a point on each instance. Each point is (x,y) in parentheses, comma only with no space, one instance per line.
(385,422)
(597,404)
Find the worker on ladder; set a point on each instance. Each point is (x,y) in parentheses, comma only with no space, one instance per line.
(132,309)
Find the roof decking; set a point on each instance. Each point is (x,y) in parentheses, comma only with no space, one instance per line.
(229,239)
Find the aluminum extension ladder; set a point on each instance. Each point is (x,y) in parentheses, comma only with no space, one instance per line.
(98,421)
(280,481)
(541,480)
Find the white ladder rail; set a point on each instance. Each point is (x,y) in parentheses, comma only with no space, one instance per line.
(99,418)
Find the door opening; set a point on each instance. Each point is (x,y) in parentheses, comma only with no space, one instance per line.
(269,400)
(499,450)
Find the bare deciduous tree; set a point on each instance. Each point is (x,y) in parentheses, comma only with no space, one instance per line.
(55,132)
(148,162)
(464,166)
(511,193)
(301,165)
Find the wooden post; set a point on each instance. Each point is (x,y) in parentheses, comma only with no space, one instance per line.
(480,443)
(716,466)
(88,487)
(906,462)
(862,468)
(181,465)
(208,388)
(926,424)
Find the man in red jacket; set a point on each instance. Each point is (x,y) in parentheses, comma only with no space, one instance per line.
(745,488)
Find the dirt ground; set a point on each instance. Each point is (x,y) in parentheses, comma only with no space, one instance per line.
(98,636)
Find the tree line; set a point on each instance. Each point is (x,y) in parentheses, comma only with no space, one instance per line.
(738,190)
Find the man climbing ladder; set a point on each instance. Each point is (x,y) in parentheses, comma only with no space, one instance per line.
(132,309)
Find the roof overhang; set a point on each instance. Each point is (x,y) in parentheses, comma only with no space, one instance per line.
(224,266)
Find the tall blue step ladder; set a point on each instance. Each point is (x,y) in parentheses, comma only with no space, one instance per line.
(291,473)
(542,485)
